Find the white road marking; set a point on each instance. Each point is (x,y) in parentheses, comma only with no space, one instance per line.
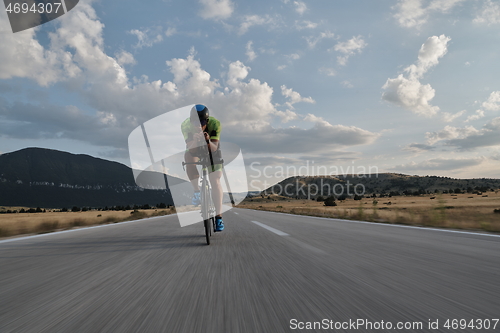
(276,231)
(385,224)
(236,213)
(296,241)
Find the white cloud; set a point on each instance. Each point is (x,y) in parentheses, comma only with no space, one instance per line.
(252,20)
(347,84)
(490,13)
(281,67)
(300,7)
(216,9)
(286,116)
(21,55)
(413,13)
(237,72)
(170,31)
(301,25)
(321,138)
(349,48)
(328,71)
(408,92)
(429,54)
(488,136)
(250,52)
(493,102)
(190,77)
(80,32)
(479,114)
(294,97)
(410,13)
(147,37)
(439,164)
(468,137)
(293,56)
(244,105)
(449,133)
(312,40)
(124,58)
(449,117)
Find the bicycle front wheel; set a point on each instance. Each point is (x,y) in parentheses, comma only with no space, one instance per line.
(205,202)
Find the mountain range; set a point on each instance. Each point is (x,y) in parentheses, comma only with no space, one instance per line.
(37,177)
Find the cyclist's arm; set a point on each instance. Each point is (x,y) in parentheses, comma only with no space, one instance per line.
(214,136)
(194,140)
(213,145)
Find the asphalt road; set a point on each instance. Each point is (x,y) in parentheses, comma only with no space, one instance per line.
(154,276)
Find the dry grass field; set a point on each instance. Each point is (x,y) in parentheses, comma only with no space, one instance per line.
(458,211)
(35,223)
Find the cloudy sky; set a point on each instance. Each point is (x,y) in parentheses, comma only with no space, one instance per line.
(408,86)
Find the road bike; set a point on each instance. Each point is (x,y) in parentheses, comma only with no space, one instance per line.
(207,205)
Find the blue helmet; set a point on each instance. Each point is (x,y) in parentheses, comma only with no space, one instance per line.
(199,112)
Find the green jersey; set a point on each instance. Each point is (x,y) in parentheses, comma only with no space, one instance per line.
(213,129)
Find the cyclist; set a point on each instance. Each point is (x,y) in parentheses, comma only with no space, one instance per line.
(198,141)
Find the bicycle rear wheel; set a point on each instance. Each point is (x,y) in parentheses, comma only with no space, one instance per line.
(208,232)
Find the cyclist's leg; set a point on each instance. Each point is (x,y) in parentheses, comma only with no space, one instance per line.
(192,171)
(217,192)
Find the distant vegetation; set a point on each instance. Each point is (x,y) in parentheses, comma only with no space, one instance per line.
(83,209)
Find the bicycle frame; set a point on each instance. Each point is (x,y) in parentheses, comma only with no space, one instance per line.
(207,206)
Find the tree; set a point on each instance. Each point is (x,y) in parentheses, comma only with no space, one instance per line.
(330,201)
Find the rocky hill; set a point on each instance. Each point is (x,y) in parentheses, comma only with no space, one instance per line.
(381,184)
